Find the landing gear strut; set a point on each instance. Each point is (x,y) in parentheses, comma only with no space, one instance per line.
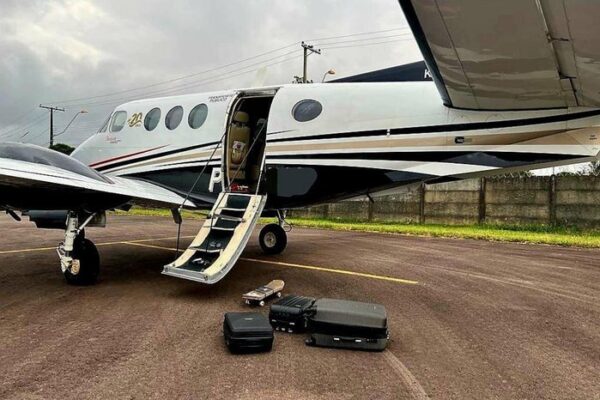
(273,237)
(79,258)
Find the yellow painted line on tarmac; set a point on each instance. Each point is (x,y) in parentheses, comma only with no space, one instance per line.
(27,250)
(34,249)
(309,267)
(151,246)
(142,243)
(336,271)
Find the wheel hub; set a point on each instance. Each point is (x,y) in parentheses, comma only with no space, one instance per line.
(270,239)
(75,267)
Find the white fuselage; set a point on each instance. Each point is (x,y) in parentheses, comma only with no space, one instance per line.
(391,128)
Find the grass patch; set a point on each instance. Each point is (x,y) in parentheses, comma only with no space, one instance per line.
(161,212)
(538,234)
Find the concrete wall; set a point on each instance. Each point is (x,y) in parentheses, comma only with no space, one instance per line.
(561,200)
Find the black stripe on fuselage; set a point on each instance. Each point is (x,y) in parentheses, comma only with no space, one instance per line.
(384,132)
(489,159)
(152,156)
(469,126)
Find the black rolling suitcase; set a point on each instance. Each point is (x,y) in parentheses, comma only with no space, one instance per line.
(288,314)
(247,332)
(348,324)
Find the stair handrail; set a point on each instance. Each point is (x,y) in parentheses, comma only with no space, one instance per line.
(228,189)
(189,193)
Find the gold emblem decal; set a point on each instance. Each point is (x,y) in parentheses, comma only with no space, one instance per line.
(135,120)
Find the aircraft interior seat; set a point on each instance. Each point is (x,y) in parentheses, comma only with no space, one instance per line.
(261,128)
(237,144)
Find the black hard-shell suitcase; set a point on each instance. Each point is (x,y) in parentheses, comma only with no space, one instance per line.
(247,332)
(348,324)
(288,314)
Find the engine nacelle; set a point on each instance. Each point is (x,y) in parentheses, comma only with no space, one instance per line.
(56,219)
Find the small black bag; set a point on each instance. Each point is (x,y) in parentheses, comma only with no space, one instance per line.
(348,324)
(247,332)
(288,314)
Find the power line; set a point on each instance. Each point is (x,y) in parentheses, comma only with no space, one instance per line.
(190,85)
(203,81)
(181,77)
(358,34)
(19,128)
(109,102)
(64,102)
(364,39)
(21,117)
(365,44)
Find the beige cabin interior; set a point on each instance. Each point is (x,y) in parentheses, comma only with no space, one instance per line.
(245,143)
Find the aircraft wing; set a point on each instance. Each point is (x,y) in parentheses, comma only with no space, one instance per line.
(510,54)
(35,178)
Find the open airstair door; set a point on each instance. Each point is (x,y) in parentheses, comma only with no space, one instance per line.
(221,239)
(232,219)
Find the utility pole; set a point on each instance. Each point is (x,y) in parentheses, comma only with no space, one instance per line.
(308,50)
(52,109)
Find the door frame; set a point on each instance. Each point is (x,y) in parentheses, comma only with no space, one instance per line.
(231,109)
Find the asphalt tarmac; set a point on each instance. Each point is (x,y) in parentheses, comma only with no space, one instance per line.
(468,319)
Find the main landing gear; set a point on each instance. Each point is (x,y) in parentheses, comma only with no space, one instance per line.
(79,258)
(273,237)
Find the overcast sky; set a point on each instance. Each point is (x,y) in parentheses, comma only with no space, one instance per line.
(62,50)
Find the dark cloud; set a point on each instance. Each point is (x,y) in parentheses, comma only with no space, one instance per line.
(61,50)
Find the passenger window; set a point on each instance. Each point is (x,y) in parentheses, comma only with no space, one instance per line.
(173,118)
(118,121)
(152,118)
(306,110)
(198,116)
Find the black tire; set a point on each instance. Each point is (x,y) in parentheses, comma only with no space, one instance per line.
(272,239)
(89,264)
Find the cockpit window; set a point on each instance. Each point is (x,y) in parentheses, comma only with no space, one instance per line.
(118,121)
(306,110)
(104,125)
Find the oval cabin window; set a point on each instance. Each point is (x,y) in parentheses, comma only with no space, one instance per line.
(198,116)
(152,118)
(306,110)
(173,118)
(118,121)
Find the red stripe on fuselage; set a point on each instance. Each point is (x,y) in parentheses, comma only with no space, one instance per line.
(97,164)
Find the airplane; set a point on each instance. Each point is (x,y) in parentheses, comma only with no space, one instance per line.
(514,86)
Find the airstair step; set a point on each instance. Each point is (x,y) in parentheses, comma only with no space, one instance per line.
(237,201)
(205,249)
(230,210)
(225,224)
(227,217)
(221,239)
(218,228)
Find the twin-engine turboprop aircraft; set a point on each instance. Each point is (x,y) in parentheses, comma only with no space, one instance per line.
(519,86)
